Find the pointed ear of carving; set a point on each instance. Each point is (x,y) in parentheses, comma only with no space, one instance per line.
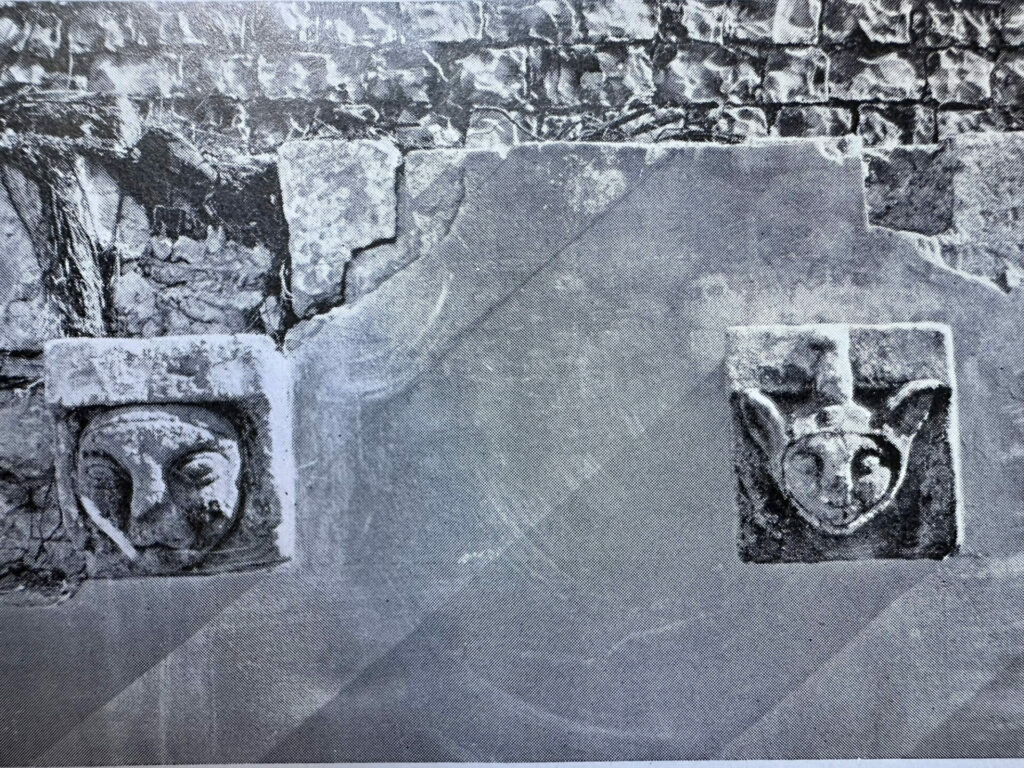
(763,420)
(909,407)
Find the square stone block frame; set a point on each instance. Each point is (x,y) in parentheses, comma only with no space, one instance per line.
(245,371)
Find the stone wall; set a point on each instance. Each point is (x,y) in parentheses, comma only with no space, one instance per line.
(208,168)
(444,73)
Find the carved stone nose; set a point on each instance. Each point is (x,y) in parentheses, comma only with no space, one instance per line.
(838,488)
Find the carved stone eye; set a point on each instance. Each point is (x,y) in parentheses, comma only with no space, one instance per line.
(866,463)
(201,469)
(806,463)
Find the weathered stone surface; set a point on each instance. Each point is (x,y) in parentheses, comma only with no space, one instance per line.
(128,410)
(566,371)
(1012,26)
(628,20)
(185,286)
(911,188)
(959,76)
(953,122)
(785,22)
(1008,78)
(703,20)
(442,21)
(590,75)
(136,76)
(309,76)
(28,314)
(894,124)
(824,473)
(889,77)
(812,121)
(492,76)
(796,75)
(709,74)
(554,22)
(740,122)
(881,21)
(942,23)
(338,197)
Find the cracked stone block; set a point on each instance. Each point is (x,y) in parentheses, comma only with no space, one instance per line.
(338,197)
(943,23)
(173,455)
(492,76)
(432,194)
(960,76)
(881,21)
(709,74)
(29,316)
(813,121)
(889,77)
(554,22)
(845,441)
(796,75)
(626,20)
(783,22)
(1008,78)
(889,125)
(442,21)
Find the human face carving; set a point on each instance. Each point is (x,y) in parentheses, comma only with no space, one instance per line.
(836,479)
(162,482)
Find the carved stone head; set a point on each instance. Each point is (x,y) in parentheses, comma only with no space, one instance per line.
(840,465)
(162,482)
(829,423)
(174,454)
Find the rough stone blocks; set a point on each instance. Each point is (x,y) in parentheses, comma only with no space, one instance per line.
(845,441)
(174,455)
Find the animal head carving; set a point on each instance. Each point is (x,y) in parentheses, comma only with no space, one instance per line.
(842,464)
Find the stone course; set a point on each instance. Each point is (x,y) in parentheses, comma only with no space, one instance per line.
(258,74)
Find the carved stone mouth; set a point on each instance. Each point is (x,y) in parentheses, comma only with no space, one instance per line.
(851,519)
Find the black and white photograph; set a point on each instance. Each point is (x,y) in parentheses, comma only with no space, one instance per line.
(511,381)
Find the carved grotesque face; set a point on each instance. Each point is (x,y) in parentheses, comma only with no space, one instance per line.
(842,464)
(162,482)
(836,478)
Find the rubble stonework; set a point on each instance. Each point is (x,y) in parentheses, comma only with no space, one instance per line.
(845,442)
(174,455)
